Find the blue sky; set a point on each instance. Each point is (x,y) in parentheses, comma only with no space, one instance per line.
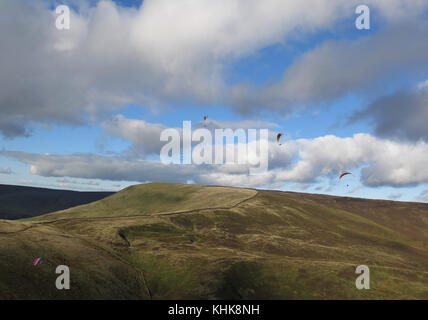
(313,79)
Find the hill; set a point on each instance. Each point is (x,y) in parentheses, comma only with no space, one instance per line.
(18,202)
(146,199)
(197,242)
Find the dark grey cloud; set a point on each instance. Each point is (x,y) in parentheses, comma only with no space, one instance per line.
(395,196)
(10,129)
(402,114)
(6,171)
(335,69)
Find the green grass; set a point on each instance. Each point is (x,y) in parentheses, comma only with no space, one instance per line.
(169,281)
(94,272)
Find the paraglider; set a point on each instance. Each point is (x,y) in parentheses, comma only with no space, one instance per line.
(205,120)
(344,174)
(278,137)
(37,261)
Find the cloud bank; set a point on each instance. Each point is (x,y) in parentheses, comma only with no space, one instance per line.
(170,51)
(382,163)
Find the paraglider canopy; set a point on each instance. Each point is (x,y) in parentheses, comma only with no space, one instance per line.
(37,261)
(278,137)
(344,174)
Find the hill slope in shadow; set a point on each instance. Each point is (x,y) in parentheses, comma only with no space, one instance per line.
(18,202)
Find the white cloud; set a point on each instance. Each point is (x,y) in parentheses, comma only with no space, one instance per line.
(144,136)
(423,85)
(164,51)
(382,163)
(67,182)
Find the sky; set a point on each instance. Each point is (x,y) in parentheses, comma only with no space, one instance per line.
(83,108)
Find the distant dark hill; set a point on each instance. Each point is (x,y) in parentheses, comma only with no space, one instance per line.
(18,202)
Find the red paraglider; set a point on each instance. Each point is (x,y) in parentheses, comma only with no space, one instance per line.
(344,174)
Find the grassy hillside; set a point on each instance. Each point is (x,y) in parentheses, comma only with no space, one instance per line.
(95,271)
(216,242)
(18,202)
(146,199)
